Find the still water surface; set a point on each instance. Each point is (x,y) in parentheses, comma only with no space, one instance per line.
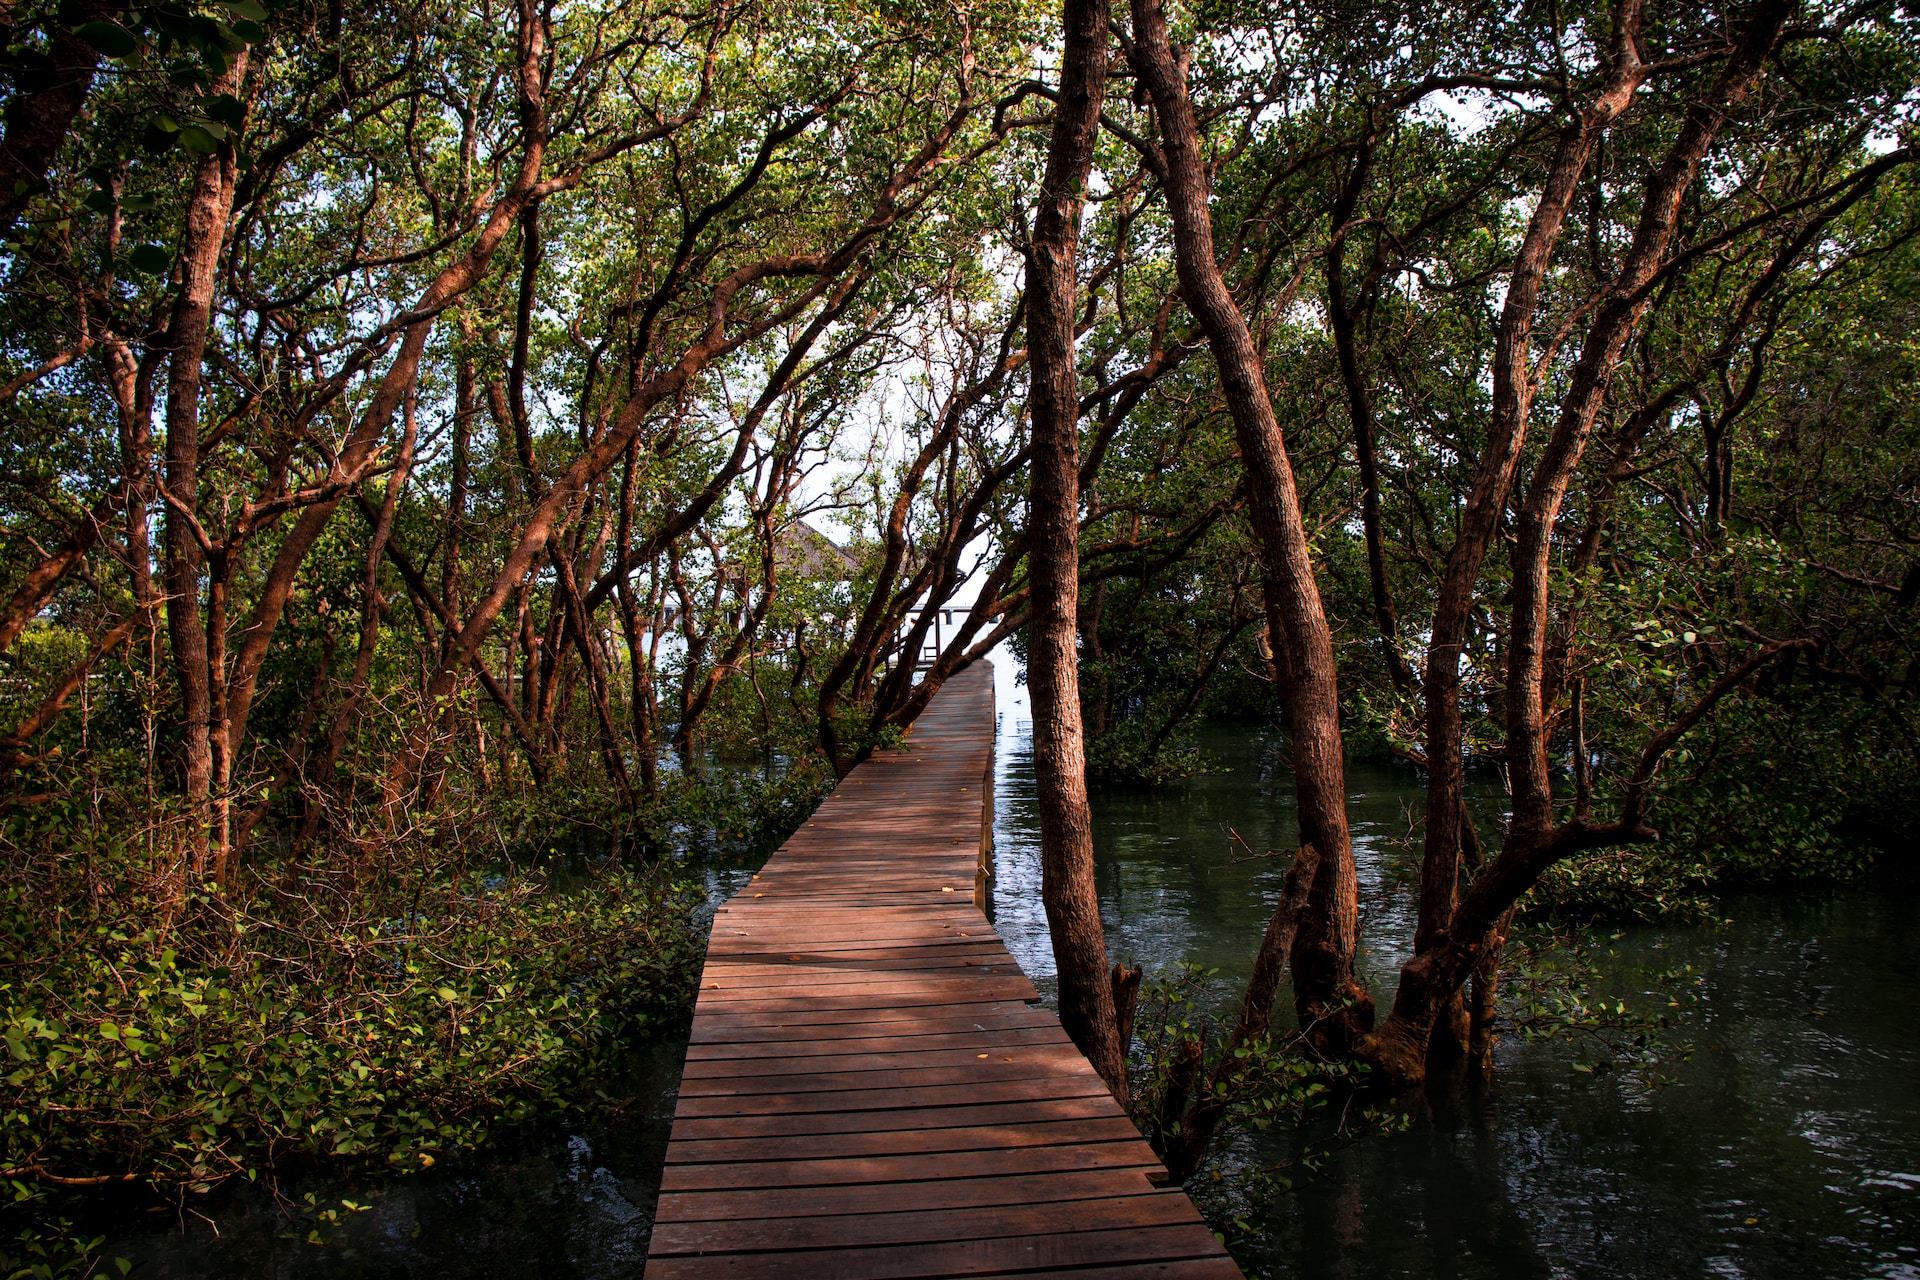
(1786,1148)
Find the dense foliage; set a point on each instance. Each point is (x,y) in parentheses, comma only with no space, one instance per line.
(421,428)
(452,1006)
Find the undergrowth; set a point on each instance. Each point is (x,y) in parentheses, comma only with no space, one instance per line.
(385,1006)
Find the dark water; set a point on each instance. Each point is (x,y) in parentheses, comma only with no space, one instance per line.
(1786,1146)
(576,1203)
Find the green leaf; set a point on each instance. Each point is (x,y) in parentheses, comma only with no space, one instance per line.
(150,259)
(110,38)
(244,9)
(198,140)
(225,108)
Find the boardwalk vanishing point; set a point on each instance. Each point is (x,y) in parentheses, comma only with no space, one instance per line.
(871,1088)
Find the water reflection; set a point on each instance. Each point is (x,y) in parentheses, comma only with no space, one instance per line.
(1788,1146)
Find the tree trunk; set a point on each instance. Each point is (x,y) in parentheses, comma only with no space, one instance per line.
(208,209)
(1613,323)
(1185,1151)
(1059,757)
(1330,1001)
(1513,390)
(370,603)
(1340,317)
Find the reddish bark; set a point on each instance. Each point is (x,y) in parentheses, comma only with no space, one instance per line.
(1398,1050)
(1067,885)
(209,207)
(370,608)
(1513,389)
(1346,342)
(1614,319)
(1200,1120)
(826,271)
(1328,997)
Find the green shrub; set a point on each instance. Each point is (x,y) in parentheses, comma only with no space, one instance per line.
(419,1022)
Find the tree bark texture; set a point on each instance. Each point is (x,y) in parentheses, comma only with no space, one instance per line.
(1626,298)
(1059,755)
(209,207)
(1451,940)
(1513,389)
(1327,996)
(1341,314)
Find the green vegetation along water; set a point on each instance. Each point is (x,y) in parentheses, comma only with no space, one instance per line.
(1786,1145)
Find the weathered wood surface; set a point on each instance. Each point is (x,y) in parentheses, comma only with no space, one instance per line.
(870,1090)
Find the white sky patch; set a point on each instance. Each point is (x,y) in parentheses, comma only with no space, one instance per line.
(1466,113)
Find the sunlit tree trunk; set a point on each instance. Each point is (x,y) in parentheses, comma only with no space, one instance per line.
(1329,999)
(208,209)
(1053,520)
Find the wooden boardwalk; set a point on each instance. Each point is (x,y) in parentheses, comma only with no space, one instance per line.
(871,1090)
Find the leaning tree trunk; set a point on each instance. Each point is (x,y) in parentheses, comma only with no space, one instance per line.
(1059,756)
(1513,389)
(1329,1000)
(1453,940)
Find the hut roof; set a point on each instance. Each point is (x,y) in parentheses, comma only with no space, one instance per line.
(800,548)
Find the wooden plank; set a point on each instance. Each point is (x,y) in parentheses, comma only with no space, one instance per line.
(1114,1213)
(988,1071)
(870,1170)
(1220,1268)
(774,963)
(821,1124)
(1062,1253)
(874,1099)
(869,1089)
(905,1197)
(801,977)
(971,1040)
(716,1030)
(1042,1133)
(855,999)
(855,1015)
(982,1053)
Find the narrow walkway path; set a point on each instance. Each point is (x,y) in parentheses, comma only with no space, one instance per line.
(871,1090)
